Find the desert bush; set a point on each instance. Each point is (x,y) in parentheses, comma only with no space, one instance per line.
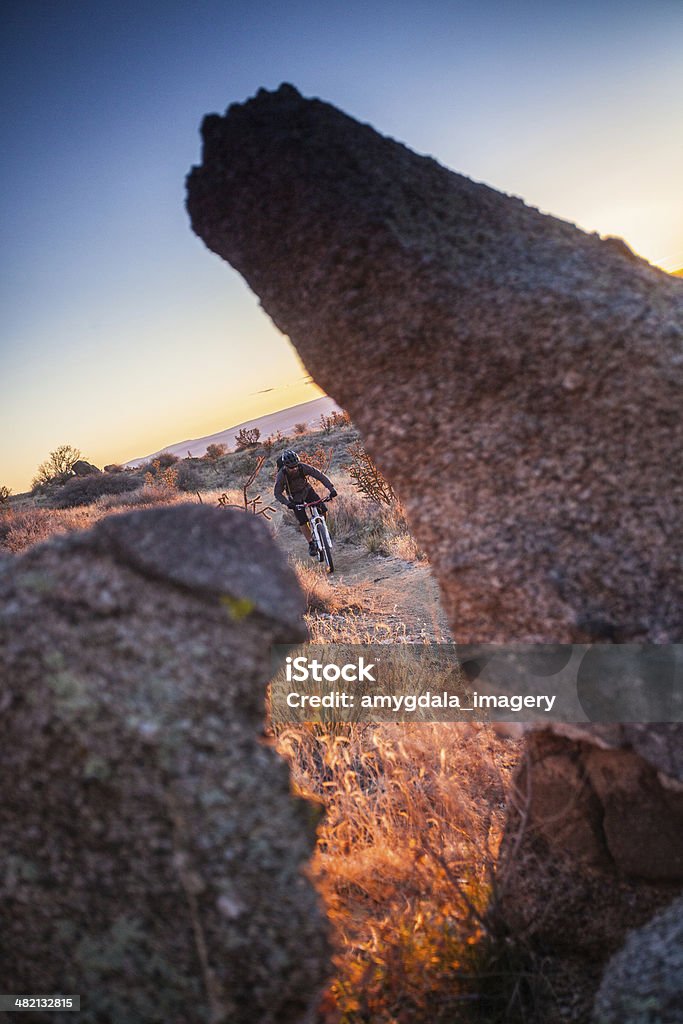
(320,457)
(57,467)
(190,475)
(86,489)
(300,428)
(334,421)
(250,503)
(161,476)
(389,534)
(247,438)
(367,477)
(352,517)
(214,452)
(165,460)
(148,494)
(5,493)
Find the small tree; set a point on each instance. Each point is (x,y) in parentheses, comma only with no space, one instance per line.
(4,495)
(247,438)
(57,467)
(367,477)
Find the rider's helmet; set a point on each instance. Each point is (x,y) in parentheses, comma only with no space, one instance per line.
(290,459)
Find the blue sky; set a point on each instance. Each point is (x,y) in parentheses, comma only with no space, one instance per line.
(121,333)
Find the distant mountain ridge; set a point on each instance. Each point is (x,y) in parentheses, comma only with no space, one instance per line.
(677,273)
(284,420)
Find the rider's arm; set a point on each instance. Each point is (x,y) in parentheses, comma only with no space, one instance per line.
(312,471)
(280,488)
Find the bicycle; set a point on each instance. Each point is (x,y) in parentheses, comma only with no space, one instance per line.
(319,532)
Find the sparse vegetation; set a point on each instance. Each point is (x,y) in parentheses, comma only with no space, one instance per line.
(5,493)
(162,474)
(334,421)
(367,476)
(300,428)
(406,865)
(319,457)
(247,438)
(250,504)
(86,489)
(214,452)
(57,467)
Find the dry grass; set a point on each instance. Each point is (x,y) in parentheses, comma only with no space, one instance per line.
(324,596)
(406,866)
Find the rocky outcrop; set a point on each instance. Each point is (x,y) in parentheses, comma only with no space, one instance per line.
(643,982)
(509,372)
(594,836)
(83,468)
(151,850)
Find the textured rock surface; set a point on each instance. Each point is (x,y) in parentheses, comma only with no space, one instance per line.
(151,851)
(83,468)
(534,368)
(643,982)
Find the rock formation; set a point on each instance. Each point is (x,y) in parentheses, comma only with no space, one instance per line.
(509,372)
(642,982)
(83,468)
(518,381)
(151,850)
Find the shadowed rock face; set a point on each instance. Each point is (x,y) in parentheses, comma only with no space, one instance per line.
(151,850)
(514,377)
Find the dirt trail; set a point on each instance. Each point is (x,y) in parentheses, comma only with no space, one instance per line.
(395,598)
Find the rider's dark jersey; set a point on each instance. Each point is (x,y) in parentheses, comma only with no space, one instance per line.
(295,482)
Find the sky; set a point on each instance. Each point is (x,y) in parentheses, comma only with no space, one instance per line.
(120,333)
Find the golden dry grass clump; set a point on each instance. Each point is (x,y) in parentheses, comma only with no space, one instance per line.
(405,865)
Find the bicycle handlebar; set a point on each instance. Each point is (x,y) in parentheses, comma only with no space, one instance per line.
(311,504)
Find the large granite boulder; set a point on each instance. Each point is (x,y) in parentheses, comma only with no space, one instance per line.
(516,379)
(151,849)
(643,982)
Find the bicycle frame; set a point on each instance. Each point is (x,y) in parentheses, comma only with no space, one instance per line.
(319,531)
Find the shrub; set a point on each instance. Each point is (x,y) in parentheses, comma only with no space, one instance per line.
(247,438)
(214,452)
(334,421)
(85,490)
(57,467)
(164,477)
(300,428)
(320,458)
(190,475)
(165,460)
(367,476)
(351,517)
(5,495)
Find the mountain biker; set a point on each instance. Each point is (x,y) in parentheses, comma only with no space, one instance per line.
(292,478)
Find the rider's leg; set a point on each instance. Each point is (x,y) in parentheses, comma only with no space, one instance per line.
(306,530)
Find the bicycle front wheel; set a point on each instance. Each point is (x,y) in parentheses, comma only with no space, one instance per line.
(324,545)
